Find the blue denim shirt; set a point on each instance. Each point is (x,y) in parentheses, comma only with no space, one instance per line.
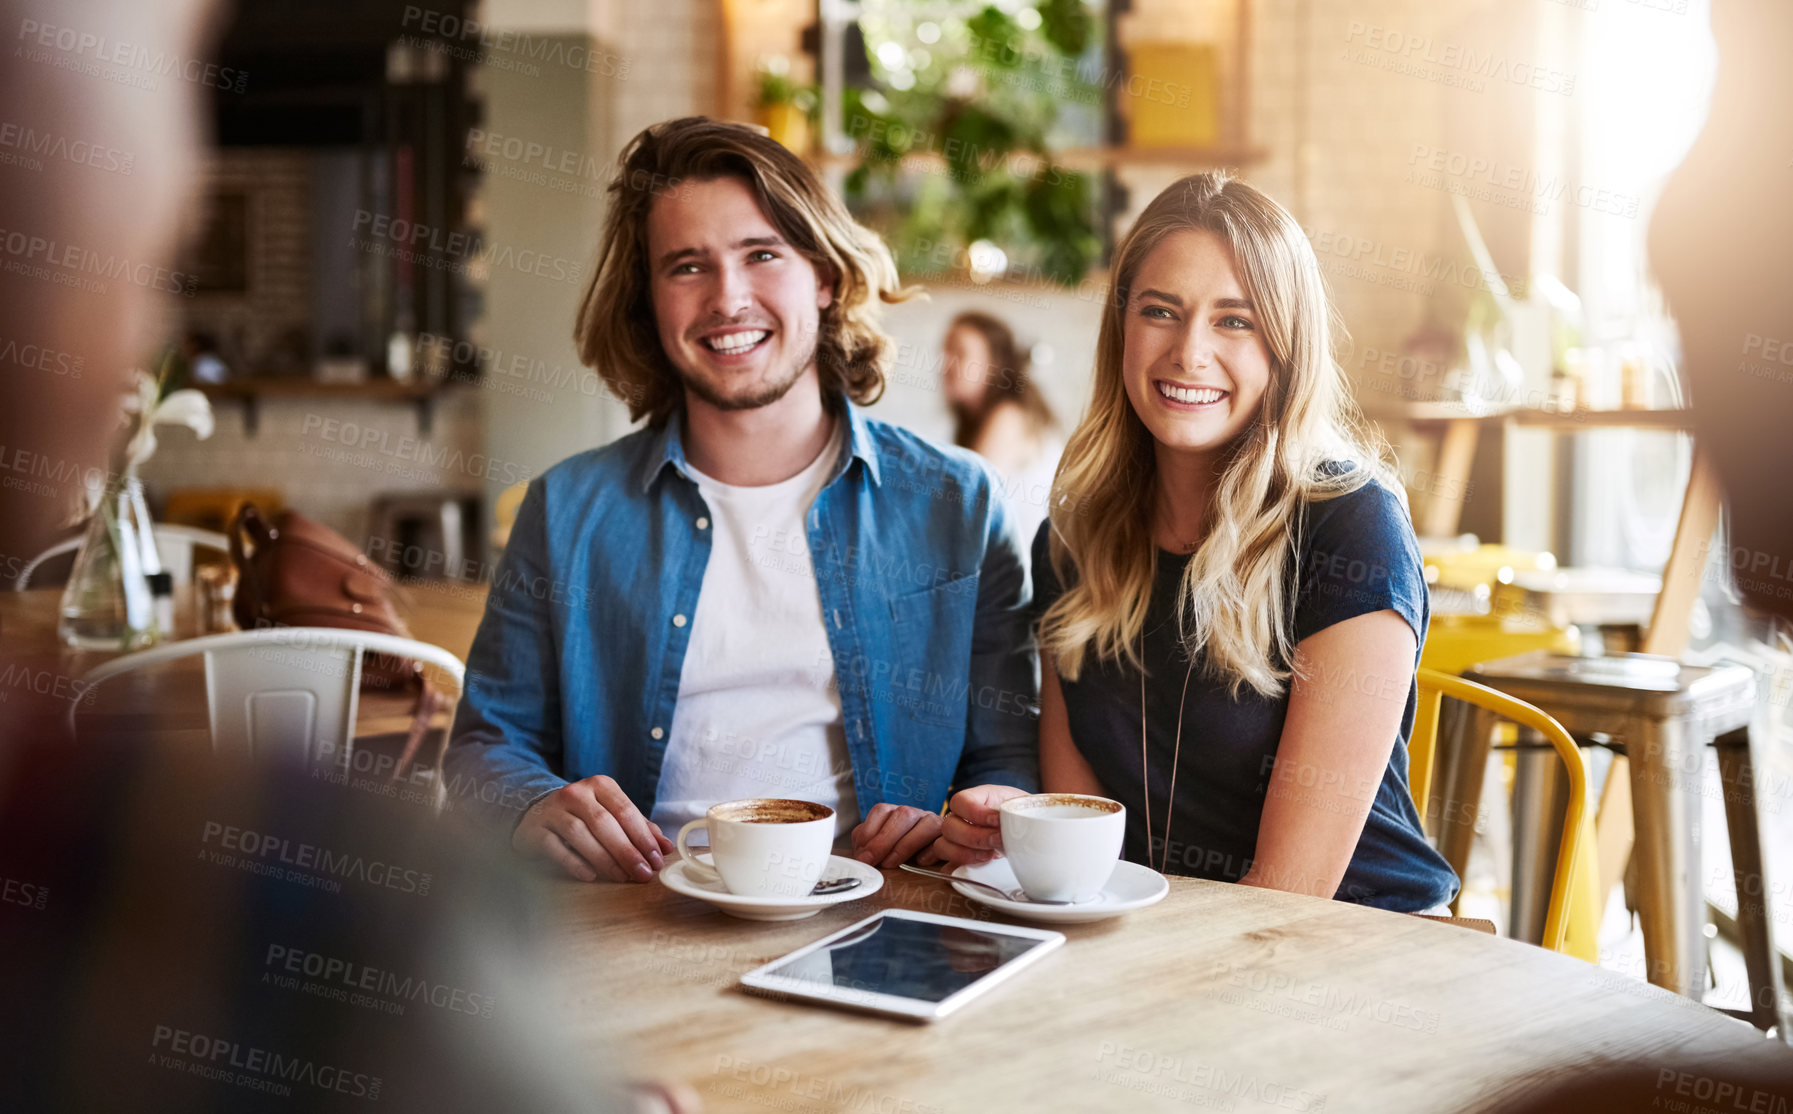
(925,596)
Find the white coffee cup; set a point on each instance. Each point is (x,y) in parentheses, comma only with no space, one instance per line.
(1062,846)
(762,846)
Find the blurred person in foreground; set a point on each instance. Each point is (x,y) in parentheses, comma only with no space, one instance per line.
(158,952)
(72,347)
(763,592)
(1721,245)
(182,932)
(1000,414)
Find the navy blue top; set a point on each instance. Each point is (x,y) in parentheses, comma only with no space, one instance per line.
(1357,555)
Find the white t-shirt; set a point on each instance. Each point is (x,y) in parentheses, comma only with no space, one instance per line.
(758,713)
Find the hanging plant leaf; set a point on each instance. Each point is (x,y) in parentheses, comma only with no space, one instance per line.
(1067,25)
(1058,205)
(992,208)
(976,142)
(985,101)
(855,182)
(997,39)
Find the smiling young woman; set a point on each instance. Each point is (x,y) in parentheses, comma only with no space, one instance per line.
(1230,596)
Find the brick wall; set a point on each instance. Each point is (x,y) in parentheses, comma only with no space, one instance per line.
(255,326)
(331,457)
(673,61)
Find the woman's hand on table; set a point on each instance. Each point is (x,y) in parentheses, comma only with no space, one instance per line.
(594,832)
(891,835)
(971,830)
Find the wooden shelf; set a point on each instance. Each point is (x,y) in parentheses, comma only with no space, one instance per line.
(250,392)
(1019,291)
(1460,430)
(1634,418)
(1072,158)
(371,389)
(1432,411)
(1537,418)
(1193,158)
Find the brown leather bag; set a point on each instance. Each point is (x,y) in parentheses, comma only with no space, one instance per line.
(297,572)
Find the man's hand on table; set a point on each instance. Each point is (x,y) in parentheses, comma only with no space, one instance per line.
(594,832)
(971,830)
(891,835)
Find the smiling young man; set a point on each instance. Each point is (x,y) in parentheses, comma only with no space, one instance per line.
(762,593)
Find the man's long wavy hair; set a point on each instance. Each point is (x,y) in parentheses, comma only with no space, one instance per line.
(615,329)
(1236,596)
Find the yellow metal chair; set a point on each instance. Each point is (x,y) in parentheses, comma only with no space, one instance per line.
(1574,862)
(1458,638)
(1456,642)
(1452,563)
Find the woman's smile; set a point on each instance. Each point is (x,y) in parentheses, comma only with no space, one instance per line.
(1190,397)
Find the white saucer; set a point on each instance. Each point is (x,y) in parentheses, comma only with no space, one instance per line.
(871,880)
(1131,886)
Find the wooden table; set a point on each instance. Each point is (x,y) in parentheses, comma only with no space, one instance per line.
(1461,430)
(445,613)
(1220,997)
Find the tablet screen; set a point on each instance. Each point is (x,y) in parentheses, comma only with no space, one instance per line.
(908,958)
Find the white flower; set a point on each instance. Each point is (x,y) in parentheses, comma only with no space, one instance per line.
(186,407)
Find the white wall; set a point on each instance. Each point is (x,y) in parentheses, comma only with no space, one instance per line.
(646,70)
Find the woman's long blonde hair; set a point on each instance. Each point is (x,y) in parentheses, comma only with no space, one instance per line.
(1235,600)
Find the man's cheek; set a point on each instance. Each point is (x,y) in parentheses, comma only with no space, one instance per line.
(666,323)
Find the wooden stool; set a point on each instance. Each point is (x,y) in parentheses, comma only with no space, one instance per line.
(1660,713)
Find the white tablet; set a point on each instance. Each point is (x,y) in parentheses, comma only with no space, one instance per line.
(920,966)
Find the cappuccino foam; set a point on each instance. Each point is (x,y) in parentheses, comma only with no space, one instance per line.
(1067,812)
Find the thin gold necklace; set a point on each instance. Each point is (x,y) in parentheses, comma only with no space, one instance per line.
(1145,771)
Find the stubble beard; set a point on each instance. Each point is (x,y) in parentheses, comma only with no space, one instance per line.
(765,396)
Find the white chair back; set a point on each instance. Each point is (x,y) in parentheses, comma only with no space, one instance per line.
(175,545)
(280,692)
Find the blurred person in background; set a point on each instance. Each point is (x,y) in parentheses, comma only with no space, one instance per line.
(1000,414)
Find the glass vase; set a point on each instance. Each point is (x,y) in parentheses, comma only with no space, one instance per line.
(107,603)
